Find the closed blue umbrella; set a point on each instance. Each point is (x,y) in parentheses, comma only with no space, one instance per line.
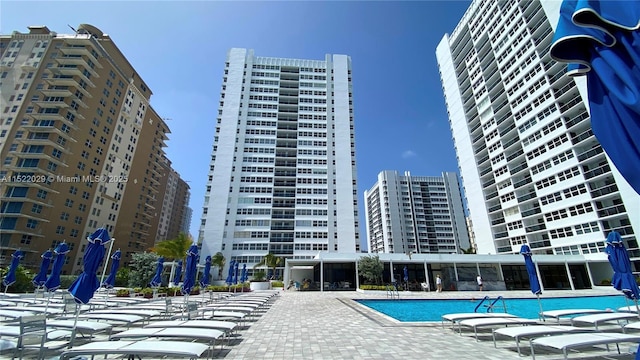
(406,274)
(204,281)
(41,276)
(600,39)
(235,273)
(110,281)
(10,277)
(244,277)
(191,269)
(230,274)
(85,285)
(178,275)
(623,279)
(534,283)
(157,278)
(53,281)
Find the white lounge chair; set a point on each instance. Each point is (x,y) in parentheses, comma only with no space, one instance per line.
(559,314)
(475,324)
(567,342)
(127,319)
(454,318)
(597,319)
(82,327)
(187,333)
(171,349)
(226,326)
(532,331)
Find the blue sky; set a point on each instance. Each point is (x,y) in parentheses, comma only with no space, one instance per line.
(179,49)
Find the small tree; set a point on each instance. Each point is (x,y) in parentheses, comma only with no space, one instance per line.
(122,276)
(218,261)
(271,261)
(371,268)
(142,269)
(23,280)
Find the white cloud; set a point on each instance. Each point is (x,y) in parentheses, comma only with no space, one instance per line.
(408,153)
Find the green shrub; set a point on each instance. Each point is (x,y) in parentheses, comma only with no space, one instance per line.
(278,284)
(143,269)
(66,280)
(607,282)
(373,287)
(23,282)
(123,292)
(122,277)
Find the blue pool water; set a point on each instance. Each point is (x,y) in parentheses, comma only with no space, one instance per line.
(432,310)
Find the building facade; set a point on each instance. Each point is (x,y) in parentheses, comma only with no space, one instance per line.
(415,214)
(79,143)
(282,177)
(175,204)
(532,170)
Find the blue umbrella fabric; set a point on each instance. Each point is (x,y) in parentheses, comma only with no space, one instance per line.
(235,273)
(204,281)
(41,276)
(600,39)
(229,279)
(178,275)
(110,281)
(53,281)
(191,269)
(623,279)
(157,278)
(534,283)
(10,278)
(244,276)
(86,284)
(406,274)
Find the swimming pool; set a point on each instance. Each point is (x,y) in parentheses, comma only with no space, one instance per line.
(433,309)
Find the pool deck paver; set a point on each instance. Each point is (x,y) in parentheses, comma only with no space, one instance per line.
(315,325)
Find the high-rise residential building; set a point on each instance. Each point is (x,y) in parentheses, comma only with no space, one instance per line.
(532,170)
(175,203)
(415,214)
(282,177)
(79,145)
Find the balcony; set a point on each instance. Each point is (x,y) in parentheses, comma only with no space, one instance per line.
(71,72)
(80,51)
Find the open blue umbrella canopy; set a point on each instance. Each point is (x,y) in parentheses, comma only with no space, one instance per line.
(157,278)
(601,39)
(41,276)
(623,279)
(191,269)
(235,272)
(406,274)
(86,284)
(178,274)
(110,281)
(204,281)
(53,281)
(10,277)
(244,277)
(229,279)
(534,283)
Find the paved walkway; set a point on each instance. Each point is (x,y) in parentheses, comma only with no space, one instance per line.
(314,325)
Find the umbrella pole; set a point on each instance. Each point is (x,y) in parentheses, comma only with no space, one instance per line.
(540,305)
(75,323)
(637,307)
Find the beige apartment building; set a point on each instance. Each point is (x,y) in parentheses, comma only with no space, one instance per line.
(80,146)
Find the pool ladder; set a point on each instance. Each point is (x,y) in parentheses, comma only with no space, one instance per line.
(492,305)
(392,292)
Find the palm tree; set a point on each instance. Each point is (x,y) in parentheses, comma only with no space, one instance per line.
(175,249)
(271,261)
(470,250)
(218,260)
